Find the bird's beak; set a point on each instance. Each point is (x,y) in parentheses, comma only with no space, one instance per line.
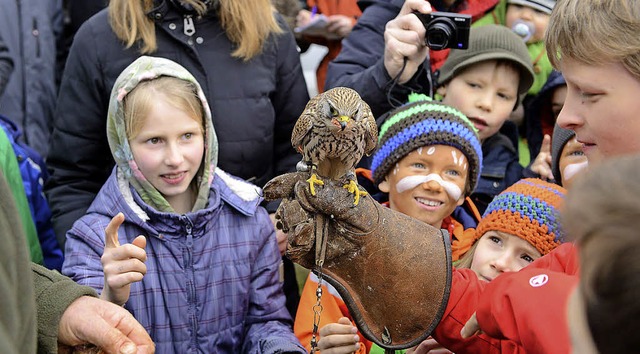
(343,121)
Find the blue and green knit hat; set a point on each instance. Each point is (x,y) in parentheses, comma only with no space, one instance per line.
(529,209)
(424,122)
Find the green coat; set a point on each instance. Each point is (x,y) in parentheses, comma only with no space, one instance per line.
(33,297)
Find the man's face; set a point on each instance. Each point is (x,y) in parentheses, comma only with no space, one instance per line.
(602,107)
(486,93)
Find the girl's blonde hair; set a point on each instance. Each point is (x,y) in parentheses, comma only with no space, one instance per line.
(179,93)
(595,32)
(247,23)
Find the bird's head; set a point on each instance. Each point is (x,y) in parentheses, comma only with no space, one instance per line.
(341,106)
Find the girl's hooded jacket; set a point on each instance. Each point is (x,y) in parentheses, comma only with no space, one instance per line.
(212,274)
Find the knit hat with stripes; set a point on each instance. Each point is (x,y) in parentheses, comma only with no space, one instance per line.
(424,122)
(542,5)
(529,209)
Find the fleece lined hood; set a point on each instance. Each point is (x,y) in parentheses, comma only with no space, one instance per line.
(143,69)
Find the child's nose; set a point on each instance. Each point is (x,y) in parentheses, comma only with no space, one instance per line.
(432,185)
(173,155)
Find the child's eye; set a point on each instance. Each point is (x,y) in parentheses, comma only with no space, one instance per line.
(505,97)
(527,258)
(589,96)
(473,84)
(453,173)
(188,136)
(495,239)
(154,140)
(418,165)
(576,153)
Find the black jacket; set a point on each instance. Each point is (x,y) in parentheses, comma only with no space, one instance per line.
(254,104)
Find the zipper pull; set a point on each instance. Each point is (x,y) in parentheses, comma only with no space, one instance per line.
(189,27)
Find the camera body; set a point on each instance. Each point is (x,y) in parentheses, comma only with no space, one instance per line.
(446,30)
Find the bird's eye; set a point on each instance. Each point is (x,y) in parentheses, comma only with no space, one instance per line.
(333,112)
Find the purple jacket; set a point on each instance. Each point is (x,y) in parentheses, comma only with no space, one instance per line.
(212,276)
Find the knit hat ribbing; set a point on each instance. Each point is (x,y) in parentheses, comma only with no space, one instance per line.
(543,5)
(529,209)
(560,138)
(422,123)
(490,42)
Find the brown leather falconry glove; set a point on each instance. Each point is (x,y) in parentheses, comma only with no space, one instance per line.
(392,271)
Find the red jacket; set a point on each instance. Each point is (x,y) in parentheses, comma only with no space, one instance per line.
(520,312)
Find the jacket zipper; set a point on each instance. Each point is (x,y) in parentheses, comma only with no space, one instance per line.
(191,288)
(36,34)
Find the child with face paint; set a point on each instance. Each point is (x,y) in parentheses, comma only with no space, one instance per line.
(182,245)
(520,225)
(428,161)
(567,158)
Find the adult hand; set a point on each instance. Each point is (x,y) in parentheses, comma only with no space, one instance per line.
(339,338)
(121,264)
(429,346)
(111,328)
(404,37)
(280,236)
(341,25)
(542,164)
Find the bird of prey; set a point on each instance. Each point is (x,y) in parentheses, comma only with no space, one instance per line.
(332,134)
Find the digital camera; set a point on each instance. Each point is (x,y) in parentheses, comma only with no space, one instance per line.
(446,30)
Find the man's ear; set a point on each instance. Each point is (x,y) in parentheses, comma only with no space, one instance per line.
(384,186)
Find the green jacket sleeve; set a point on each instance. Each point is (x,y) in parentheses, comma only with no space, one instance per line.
(54,293)
(17,307)
(9,166)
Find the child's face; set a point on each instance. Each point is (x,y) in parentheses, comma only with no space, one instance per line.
(602,107)
(499,252)
(168,151)
(428,183)
(571,162)
(486,93)
(539,20)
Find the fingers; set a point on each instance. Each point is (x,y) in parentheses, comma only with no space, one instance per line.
(410,6)
(546,144)
(339,337)
(111,232)
(470,328)
(542,164)
(429,346)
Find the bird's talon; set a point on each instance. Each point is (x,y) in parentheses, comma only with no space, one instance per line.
(313,180)
(352,188)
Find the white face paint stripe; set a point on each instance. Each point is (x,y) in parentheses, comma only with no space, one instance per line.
(572,169)
(420,150)
(455,157)
(411,182)
(431,150)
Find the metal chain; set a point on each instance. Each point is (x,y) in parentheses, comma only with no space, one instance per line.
(317,310)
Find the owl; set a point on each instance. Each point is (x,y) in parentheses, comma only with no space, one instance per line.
(332,134)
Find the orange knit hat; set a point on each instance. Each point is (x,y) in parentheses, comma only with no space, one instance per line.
(528,209)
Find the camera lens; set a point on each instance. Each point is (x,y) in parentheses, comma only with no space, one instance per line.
(439,32)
